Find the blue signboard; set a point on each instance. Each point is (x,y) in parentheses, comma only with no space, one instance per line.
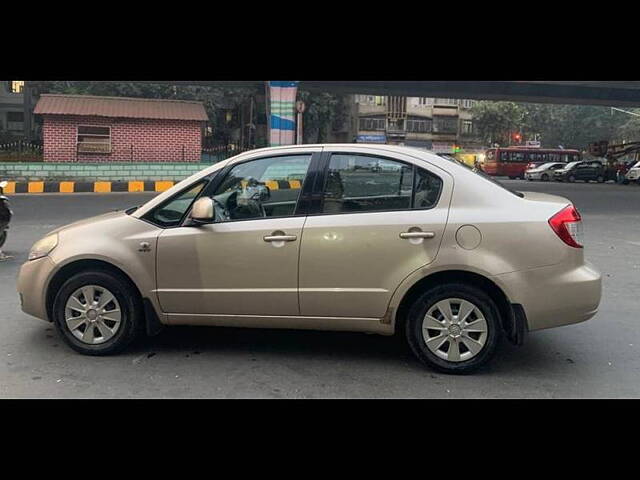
(371,139)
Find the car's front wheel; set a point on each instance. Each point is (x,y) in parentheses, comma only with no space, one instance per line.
(97,313)
(545,177)
(454,328)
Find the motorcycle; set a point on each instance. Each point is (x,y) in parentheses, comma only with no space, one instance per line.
(5,214)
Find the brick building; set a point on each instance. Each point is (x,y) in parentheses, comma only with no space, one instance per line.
(83,128)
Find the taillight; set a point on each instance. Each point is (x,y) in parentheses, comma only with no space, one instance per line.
(567,224)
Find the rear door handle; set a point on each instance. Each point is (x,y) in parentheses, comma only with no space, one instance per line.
(280,238)
(417,235)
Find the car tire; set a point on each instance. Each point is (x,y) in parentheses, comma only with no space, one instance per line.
(600,179)
(511,178)
(426,310)
(545,177)
(3,237)
(571,179)
(72,298)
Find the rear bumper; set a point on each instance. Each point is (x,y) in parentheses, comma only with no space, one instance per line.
(555,296)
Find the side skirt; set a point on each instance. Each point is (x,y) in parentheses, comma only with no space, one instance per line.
(346,324)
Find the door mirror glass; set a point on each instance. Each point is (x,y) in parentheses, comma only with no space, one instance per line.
(203,210)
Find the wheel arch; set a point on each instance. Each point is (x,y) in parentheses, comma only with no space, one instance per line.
(71,268)
(495,292)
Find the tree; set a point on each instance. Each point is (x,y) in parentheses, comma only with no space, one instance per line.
(569,126)
(497,121)
(322,111)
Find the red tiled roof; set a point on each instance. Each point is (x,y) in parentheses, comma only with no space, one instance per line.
(122,107)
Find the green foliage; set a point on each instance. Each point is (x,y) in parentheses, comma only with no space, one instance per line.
(322,111)
(572,126)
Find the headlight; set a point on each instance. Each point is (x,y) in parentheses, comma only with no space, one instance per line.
(43,247)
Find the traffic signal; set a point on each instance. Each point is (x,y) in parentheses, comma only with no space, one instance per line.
(457,148)
(517,137)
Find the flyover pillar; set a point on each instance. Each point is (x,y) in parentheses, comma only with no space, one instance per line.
(281,112)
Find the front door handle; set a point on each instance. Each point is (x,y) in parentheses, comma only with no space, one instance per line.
(417,235)
(280,238)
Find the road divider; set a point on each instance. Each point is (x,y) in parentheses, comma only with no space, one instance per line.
(88,187)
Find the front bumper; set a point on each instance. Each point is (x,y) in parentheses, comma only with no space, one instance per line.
(32,282)
(556,295)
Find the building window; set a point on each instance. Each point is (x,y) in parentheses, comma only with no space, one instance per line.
(16,86)
(446,101)
(93,139)
(15,121)
(445,124)
(372,124)
(423,125)
(467,127)
(425,101)
(381,100)
(468,103)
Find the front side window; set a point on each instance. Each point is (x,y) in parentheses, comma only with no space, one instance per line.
(268,187)
(170,213)
(360,183)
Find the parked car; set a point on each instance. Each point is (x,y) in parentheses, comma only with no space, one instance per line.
(544,171)
(585,171)
(633,174)
(298,237)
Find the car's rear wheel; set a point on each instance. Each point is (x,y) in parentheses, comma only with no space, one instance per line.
(97,313)
(571,179)
(545,177)
(454,328)
(600,179)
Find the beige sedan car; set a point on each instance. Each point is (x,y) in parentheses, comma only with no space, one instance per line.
(367,238)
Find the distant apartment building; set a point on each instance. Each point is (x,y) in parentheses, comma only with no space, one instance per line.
(442,125)
(13,123)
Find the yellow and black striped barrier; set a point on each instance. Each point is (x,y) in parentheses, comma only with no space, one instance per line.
(125,186)
(86,187)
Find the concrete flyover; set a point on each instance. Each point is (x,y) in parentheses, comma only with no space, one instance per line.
(614,93)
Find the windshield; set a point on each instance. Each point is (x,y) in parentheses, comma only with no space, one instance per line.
(637,165)
(571,165)
(480,173)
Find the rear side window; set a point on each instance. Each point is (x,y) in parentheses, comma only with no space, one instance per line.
(361,183)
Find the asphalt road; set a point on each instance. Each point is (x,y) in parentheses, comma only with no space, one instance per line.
(599,358)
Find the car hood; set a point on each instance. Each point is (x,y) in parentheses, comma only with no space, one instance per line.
(96,219)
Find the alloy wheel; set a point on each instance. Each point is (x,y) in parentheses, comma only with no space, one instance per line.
(454,329)
(92,314)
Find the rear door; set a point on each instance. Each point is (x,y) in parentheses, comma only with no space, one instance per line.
(375,219)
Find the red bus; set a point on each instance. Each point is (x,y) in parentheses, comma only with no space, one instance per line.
(512,161)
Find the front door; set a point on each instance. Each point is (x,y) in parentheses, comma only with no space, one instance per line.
(246,262)
(381,219)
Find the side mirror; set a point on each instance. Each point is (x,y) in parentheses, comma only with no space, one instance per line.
(202,211)
(4,184)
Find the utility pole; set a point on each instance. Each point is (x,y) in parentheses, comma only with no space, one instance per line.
(27,126)
(300,110)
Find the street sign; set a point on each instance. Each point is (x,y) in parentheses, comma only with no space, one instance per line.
(533,143)
(371,139)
